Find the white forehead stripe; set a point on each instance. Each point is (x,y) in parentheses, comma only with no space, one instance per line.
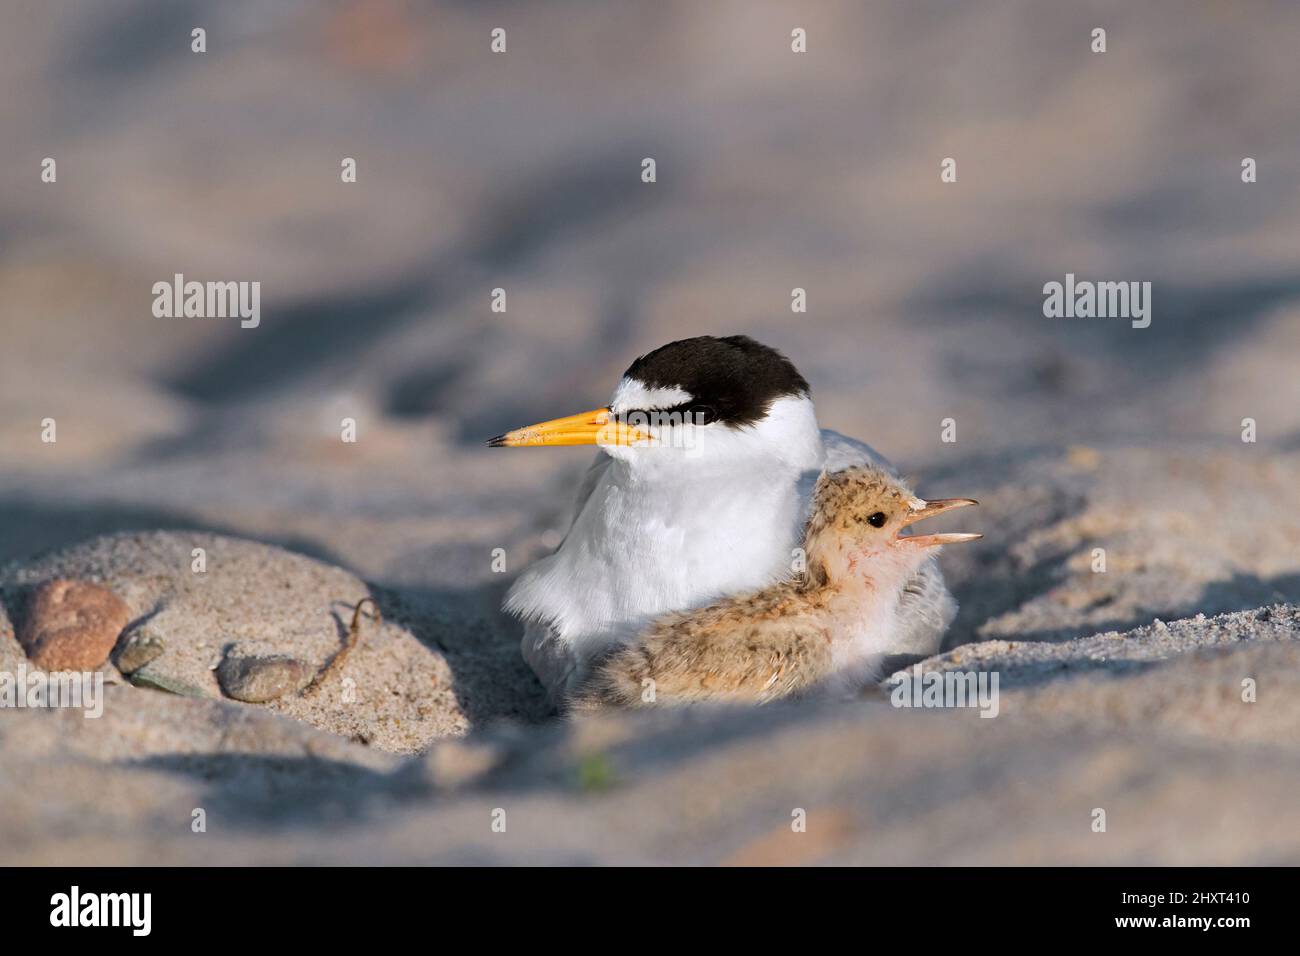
(632,394)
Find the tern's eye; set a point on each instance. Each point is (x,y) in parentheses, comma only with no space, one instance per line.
(701,414)
(877,520)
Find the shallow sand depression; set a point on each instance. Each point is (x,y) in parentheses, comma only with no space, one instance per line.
(1115,693)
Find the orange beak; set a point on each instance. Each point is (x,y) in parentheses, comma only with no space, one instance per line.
(928,509)
(596,427)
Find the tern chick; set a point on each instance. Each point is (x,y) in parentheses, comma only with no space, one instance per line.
(826,628)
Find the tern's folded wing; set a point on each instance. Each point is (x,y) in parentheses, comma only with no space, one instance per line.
(844,452)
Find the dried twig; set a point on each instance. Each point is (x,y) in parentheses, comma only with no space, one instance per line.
(354,638)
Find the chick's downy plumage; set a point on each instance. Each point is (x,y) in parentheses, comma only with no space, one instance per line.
(827,626)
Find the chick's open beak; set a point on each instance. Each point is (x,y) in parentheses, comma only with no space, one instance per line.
(596,427)
(928,509)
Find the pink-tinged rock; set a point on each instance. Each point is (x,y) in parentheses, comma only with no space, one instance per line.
(72,625)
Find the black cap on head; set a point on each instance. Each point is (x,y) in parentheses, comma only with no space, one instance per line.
(735,377)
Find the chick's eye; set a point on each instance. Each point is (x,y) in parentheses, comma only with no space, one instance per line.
(701,414)
(877,520)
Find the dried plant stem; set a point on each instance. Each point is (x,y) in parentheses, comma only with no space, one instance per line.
(354,638)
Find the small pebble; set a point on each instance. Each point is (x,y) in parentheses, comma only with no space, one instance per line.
(72,625)
(256,680)
(138,650)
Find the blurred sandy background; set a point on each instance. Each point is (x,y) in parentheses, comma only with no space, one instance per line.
(775,171)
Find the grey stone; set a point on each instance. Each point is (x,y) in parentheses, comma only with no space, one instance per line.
(255,680)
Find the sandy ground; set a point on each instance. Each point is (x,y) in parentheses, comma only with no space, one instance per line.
(1185,771)
(1148,723)
(1121,689)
